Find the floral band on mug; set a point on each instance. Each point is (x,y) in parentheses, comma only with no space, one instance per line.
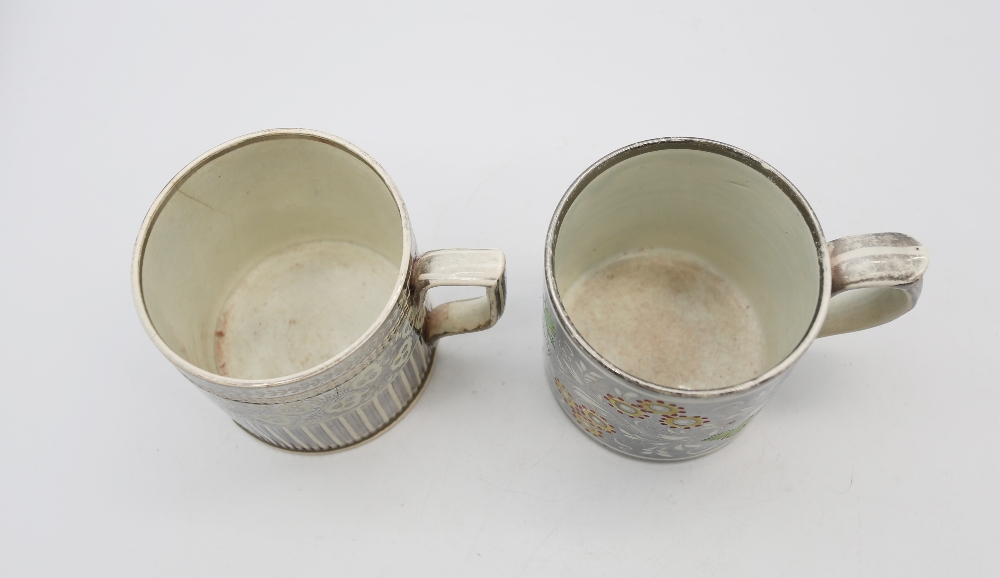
(684,278)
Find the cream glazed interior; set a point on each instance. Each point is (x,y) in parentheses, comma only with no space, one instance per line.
(273,258)
(687,268)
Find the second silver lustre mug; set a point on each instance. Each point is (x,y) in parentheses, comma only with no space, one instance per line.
(684,278)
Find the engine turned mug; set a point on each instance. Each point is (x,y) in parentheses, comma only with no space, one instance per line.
(278,272)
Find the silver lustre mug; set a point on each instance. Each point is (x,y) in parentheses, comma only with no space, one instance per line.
(684,278)
(279,274)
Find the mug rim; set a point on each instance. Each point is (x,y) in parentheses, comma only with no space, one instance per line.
(709,146)
(231,145)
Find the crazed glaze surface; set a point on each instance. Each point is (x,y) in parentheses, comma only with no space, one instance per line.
(668,317)
(299,307)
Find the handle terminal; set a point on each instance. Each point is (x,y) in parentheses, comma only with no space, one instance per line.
(875,279)
(461,267)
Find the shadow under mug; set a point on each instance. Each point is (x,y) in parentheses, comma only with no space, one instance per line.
(278,272)
(684,278)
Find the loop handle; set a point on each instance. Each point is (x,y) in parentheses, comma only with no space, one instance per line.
(461,267)
(876,278)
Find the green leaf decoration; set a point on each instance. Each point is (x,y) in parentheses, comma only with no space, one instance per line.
(729,433)
(550,326)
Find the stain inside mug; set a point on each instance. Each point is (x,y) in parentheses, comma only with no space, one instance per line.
(300,307)
(668,317)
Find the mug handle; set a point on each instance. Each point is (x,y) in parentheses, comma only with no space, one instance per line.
(461,267)
(884,273)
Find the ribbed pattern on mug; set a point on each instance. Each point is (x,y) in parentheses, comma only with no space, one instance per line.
(355,424)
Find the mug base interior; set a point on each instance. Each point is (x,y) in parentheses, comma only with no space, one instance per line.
(299,307)
(668,317)
(743,238)
(270,255)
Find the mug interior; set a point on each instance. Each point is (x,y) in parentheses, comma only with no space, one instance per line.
(698,233)
(271,256)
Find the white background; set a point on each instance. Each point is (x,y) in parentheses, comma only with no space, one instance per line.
(878,457)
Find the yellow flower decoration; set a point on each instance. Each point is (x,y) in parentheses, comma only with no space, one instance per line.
(625,408)
(683,421)
(565,393)
(590,421)
(659,407)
